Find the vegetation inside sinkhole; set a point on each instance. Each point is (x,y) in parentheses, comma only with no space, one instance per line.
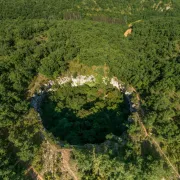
(84,114)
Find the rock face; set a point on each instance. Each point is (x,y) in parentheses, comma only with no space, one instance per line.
(80,80)
(115,83)
(36,101)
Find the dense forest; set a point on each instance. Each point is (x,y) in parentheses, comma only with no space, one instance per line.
(42,40)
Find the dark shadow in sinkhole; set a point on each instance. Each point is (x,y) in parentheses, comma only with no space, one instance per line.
(93,128)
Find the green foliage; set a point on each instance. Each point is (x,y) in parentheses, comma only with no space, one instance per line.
(43,36)
(97,165)
(27,143)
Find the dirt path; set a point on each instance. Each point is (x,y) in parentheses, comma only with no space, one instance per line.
(65,162)
(150,137)
(142,125)
(65,165)
(167,159)
(66,154)
(158,146)
(34,174)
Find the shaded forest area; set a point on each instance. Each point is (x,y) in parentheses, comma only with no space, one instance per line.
(82,115)
(36,38)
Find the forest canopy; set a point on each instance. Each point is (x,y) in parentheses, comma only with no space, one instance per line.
(42,40)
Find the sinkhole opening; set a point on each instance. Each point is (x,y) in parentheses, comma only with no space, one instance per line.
(84,114)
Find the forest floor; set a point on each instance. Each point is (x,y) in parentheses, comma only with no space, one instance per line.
(33,173)
(67,169)
(65,163)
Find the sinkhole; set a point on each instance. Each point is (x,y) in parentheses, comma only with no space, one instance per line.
(84,114)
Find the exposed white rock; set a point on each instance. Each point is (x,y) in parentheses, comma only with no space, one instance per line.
(63,80)
(52,89)
(128,93)
(115,83)
(81,80)
(40,91)
(161,9)
(78,81)
(51,82)
(105,80)
(133,105)
(168,7)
